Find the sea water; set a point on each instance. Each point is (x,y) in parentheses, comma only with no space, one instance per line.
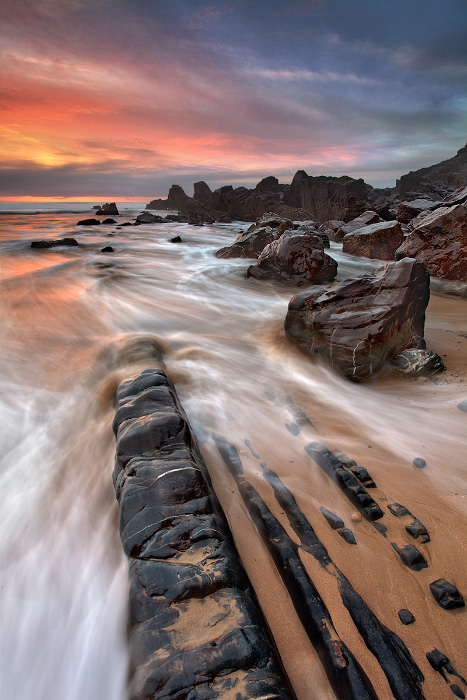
(72,322)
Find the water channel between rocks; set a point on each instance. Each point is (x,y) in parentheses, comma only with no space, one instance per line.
(71,321)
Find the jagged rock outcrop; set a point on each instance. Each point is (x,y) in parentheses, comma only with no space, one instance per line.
(379,240)
(183,563)
(295,257)
(440,240)
(108,208)
(201,191)
(359,325)
(322,198)
(328,197)
(436,181)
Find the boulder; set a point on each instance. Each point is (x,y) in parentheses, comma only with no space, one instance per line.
(108,208)
(332,225)
(296,257)
(360,325)
(273,220)
(249,244)
(407,211)
(418,363)
(379,240)
(54,243)
(310,228)
(440,242)
(147,218)
(365,219)
(109,221)
(89,222)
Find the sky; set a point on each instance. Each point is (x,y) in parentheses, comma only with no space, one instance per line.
(123,98)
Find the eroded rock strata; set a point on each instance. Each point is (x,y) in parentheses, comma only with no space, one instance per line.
(195,628)
(402,673)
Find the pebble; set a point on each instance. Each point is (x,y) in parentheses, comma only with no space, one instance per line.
(463,406)
(419,462)
(356,517)
(405,616)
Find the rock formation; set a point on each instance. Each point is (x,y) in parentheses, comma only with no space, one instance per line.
(108,208)
(183,563)
(252,242)
(359,325)
(437,181)
(296,257)
(439,239)
(379,240)
(365,219)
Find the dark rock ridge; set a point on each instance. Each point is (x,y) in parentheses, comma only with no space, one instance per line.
(183,564)
(307,197)
(438,180)
(321,198)
(344,672)
(360,325)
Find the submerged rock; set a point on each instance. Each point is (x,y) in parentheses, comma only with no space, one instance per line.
(89,222)
(54,243)
(360,325)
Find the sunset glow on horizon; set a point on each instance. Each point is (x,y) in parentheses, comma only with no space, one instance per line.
(130,97)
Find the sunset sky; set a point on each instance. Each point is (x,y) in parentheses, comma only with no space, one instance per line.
(115,98)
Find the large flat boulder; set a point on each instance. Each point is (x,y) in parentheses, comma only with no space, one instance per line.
(359,325)
(379,240)
(296,257)
(440,242)
(365,219)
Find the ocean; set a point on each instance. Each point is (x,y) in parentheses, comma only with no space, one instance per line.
(72,322)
